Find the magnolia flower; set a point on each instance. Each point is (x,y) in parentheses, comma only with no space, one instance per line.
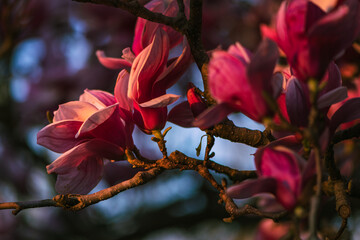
(282,172)
(151,75)
(238,82)
(86,132)
(312,38)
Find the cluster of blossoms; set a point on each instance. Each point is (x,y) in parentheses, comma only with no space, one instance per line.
(99,126)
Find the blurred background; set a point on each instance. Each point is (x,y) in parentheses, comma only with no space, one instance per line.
(47,57)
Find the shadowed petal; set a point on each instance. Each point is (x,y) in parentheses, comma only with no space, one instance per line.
(346,113)
(262,64)
(213,115)
(182,115)
(252,187)
(80,168)
(296,103)
(334,96)
(60,136)
(173,72)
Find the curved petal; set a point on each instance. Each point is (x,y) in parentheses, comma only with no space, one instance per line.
(82,179)
(261,66)
(227,77)
(237,50)
(112,63)
(80,168)
(296,103)
(286,167)
(147,66)
(96,119)
(73,158)
(173,72)
(213,115)
(333,78)
(182,115)
(121,89)
(60,136)
(252,187)
(349,111)
(334,96)
(98,98)
(161,101)
(74,110)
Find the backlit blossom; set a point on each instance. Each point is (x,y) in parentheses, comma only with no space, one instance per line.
(281,172)
(86,132)
(238,81)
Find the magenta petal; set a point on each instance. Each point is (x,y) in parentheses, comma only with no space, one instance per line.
(75,110)
(349,111)
(82,179)
(60,136)
(147,66)
(277,82)
(173,72)
(161,101)
(96,119)
(98,98)
(80,168)
(296,103)
(227,77)
(112,63)
(285,166)
(334,96)
(213,115)
(252,187)
(182,115)
(333,77)
(289,141)
(121,89)
(262,64)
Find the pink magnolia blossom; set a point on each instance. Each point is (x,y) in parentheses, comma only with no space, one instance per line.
(312,38)
(238,80)
(86,132)
(150,76)
(281,172)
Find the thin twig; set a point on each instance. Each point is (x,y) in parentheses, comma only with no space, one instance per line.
(341,229)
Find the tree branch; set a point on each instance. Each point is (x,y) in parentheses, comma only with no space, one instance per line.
(178,160)
(254,138)
(77,202)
